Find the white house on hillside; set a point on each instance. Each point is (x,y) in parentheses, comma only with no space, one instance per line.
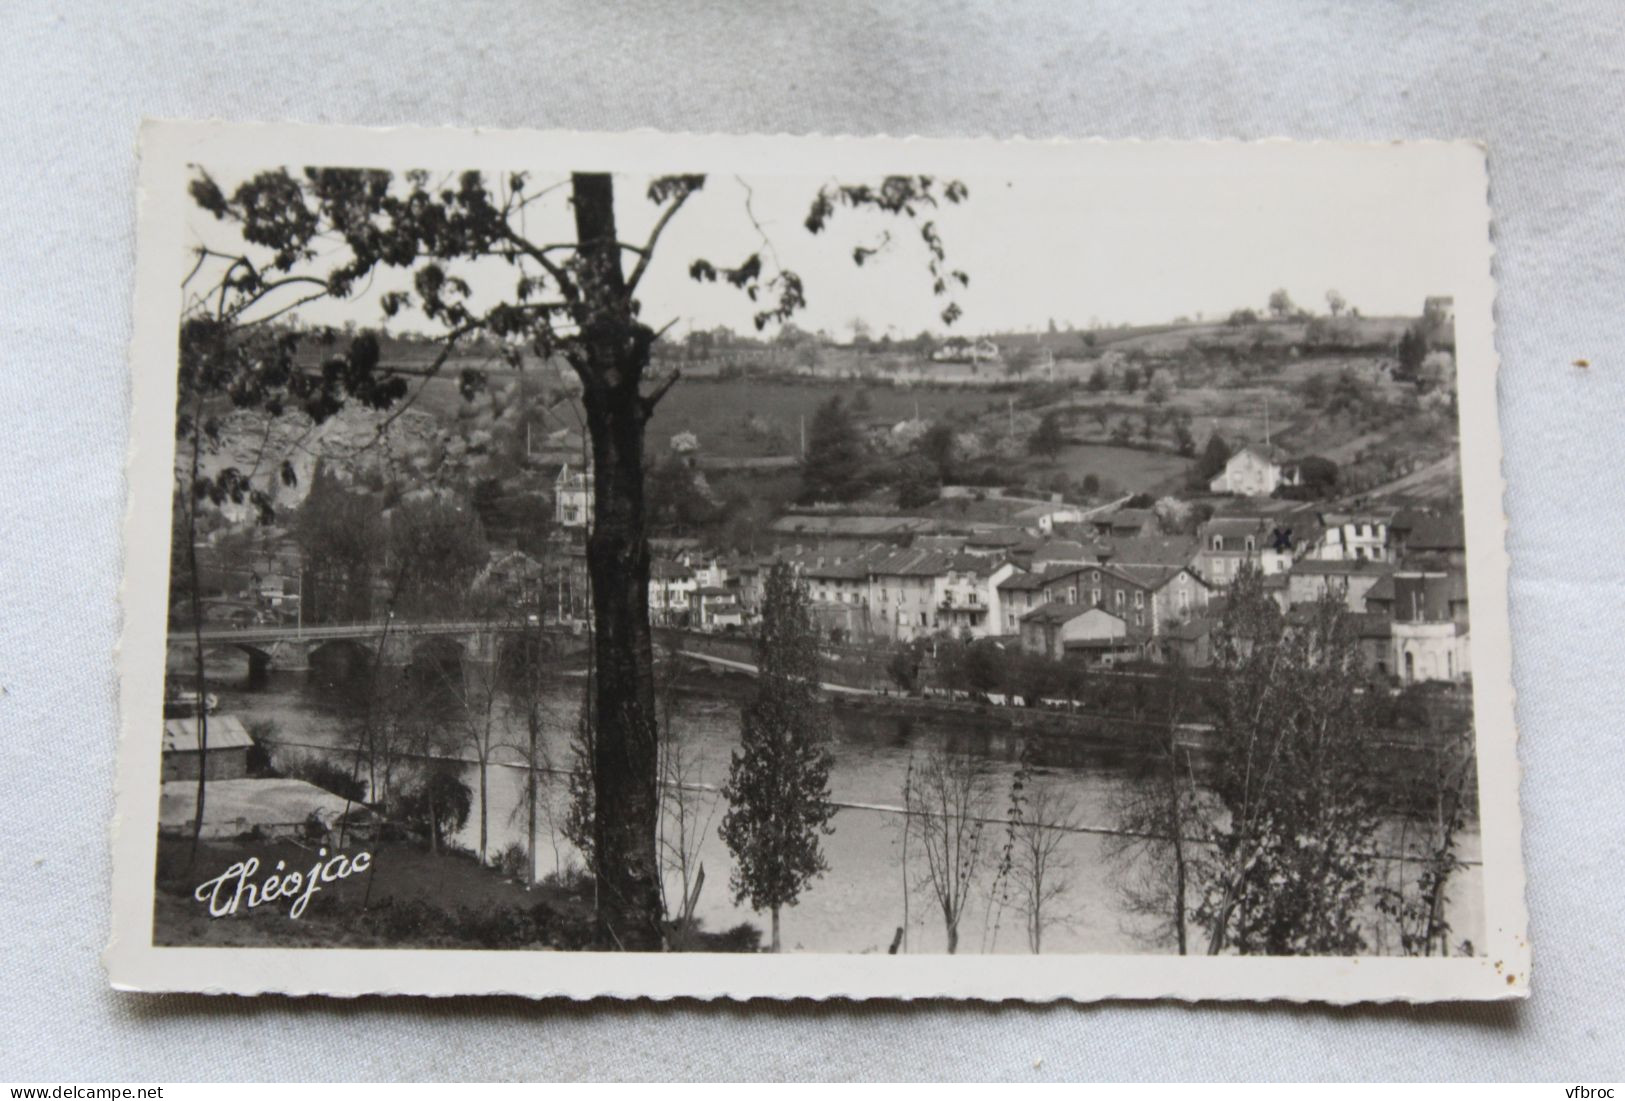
(1254,472)
(1353,537)
(572,497)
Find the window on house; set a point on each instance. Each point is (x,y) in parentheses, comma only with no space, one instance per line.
(1139,619)
(1218,542)
(1072,595)
(1119,595)
(1094,597)
(1139,599)
(1251,546)
(1184,600)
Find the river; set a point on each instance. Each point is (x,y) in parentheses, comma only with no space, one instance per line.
(859,903)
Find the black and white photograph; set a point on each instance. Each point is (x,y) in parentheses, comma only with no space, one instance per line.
(1045,569)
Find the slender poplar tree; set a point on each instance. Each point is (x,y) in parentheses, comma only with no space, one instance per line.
(778,785)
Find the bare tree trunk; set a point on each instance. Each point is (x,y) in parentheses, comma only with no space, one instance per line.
(197,639)
(1177,824)
(484,803)
(534,723)
(775,929)
(908,825)
(614,351)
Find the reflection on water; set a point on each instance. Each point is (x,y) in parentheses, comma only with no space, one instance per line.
(860,902)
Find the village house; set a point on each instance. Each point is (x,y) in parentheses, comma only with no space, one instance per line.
(713,608)
(746,576)
(838,589)
(1044,516)
(1356,536)
(1428,541)
(972,603)
(905,593)
(1145,598)
(1349,580)
(1173,594)
(1430,631)
(572,497)
(1254,471)
(1226,542)
(227,757)
(1001,542)
(709,570)
(671,593)
(1023,591)
(1051,630)
(1125,523)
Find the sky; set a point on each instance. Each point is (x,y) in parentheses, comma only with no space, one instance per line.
(1130,243)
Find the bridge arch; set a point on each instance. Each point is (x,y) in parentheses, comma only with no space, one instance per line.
(437,659)
(341,658)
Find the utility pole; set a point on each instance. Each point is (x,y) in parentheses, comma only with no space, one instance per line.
(804,436)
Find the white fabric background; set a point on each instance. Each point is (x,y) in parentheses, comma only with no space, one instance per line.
(1541,83)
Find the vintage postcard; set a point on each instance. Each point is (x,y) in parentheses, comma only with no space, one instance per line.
(647,565)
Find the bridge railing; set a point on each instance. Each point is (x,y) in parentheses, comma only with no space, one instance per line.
(354,629)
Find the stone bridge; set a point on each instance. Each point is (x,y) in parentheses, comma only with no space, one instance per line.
(390,642)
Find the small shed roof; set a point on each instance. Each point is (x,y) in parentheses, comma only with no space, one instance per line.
(225,732)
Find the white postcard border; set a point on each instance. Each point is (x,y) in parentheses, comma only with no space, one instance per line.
(1502,970)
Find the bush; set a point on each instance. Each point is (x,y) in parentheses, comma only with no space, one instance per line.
(450,800)
(413,920)
(574,881)
(743,937)
(326,775)
(514,862)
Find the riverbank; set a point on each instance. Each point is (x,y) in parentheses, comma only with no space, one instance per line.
(708,677)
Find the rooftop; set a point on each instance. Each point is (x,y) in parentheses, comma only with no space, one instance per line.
(225,732)
(1319,567)
(1436,533)
(851,525)
(1239,526)
(911,563)
(1037,579)
(1150,577)
(1063,613)
(1152,550)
